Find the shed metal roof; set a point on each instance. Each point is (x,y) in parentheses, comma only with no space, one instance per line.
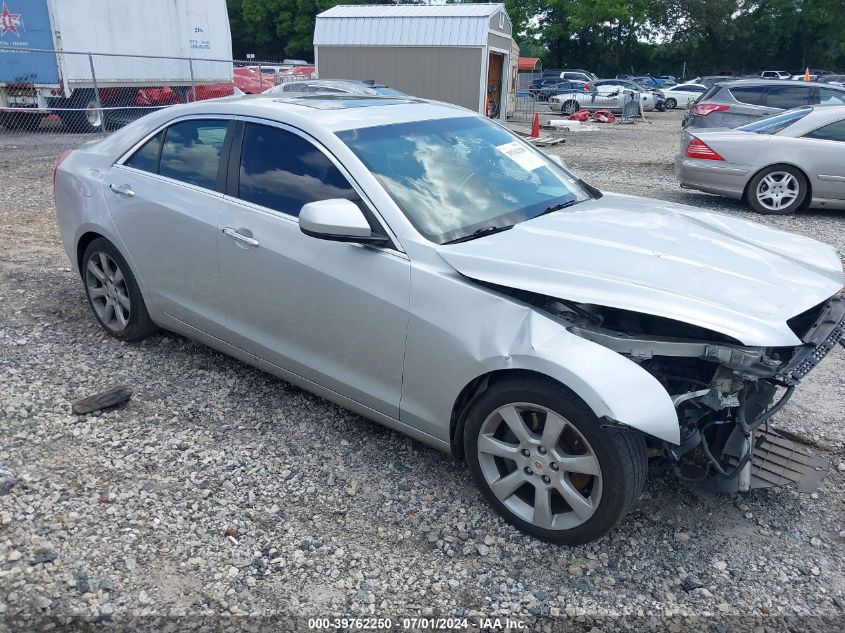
(405,25)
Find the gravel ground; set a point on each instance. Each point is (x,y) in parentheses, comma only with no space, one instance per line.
(221,491)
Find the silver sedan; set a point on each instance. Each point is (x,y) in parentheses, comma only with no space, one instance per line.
(429,270)
(779,164)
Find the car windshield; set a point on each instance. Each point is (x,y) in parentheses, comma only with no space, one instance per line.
(459,177)
(776,123)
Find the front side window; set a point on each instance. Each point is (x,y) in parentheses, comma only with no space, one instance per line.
(829,132)
(831,97)
(282,171)
(191,152)
(453,177)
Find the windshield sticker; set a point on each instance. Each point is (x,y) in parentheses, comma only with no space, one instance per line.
(521,155)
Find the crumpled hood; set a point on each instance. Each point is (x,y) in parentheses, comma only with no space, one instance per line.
(712,270)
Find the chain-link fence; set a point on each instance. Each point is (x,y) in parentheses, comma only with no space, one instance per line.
(78,92)
(623,103)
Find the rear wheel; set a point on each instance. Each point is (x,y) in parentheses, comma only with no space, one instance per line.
(777,190)
(548,465)
(83,115)
(113,293)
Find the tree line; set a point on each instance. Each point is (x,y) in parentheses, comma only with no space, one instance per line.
(607,36)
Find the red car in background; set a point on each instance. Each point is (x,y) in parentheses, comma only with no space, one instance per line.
(246,80)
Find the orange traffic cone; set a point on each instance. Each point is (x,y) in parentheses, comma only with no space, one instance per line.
(807,74)
(535,129)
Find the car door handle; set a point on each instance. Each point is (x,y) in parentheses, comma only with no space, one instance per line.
(240,237)
(123,190)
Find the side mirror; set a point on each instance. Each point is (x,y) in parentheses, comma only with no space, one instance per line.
(338,219)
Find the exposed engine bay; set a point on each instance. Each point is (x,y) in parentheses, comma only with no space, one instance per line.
(725,393)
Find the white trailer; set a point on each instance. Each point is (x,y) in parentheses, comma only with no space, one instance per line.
(80,56)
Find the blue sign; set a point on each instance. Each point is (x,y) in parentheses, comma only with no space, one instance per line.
(25,24)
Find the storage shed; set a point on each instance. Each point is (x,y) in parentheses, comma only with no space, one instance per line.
(458,53)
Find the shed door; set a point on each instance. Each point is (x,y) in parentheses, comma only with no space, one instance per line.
(495,84)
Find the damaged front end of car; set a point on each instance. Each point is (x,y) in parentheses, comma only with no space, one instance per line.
(725,393)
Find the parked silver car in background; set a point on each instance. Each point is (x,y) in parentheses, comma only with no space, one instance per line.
(778,164)
(424,267)
(615,95)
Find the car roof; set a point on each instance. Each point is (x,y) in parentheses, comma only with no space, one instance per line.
(332,112)
(771,82)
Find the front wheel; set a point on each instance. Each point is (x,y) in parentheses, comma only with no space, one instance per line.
(570,107)
(777,190)
(670,104)
(548,465)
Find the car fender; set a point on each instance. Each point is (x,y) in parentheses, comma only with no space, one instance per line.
(459,331)
(612,385)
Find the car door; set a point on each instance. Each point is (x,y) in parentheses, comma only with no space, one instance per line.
(825,153)
(164,199)
(332,312)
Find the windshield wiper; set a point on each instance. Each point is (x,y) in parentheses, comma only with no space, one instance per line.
(558,207)
(487,230)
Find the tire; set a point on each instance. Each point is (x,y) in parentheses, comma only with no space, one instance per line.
(570,107)
(670,103)
(83,117)
(615,456)
(777,190)
(109,281)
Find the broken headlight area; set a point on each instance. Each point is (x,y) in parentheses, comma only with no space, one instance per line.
(725,393)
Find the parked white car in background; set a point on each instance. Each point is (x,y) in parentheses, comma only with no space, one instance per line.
(683,94)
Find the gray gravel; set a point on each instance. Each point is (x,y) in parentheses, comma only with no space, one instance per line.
(221,490)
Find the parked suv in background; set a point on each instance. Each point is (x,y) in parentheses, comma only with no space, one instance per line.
(736,103)
(570,74)
(776,74)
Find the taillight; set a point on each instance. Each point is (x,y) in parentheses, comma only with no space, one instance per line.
(699,149)
(588,87)
(59,161)
(703,109)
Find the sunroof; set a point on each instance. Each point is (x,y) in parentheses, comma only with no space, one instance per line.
(340,102)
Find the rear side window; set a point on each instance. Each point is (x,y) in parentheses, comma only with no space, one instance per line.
(709,93)
(282,171)
(787,97)
(830,132)
(191,152)
(753,95)
(146,158)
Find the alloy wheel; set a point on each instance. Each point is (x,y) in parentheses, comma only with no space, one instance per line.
(539,466)
(106,287)
(777,190)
